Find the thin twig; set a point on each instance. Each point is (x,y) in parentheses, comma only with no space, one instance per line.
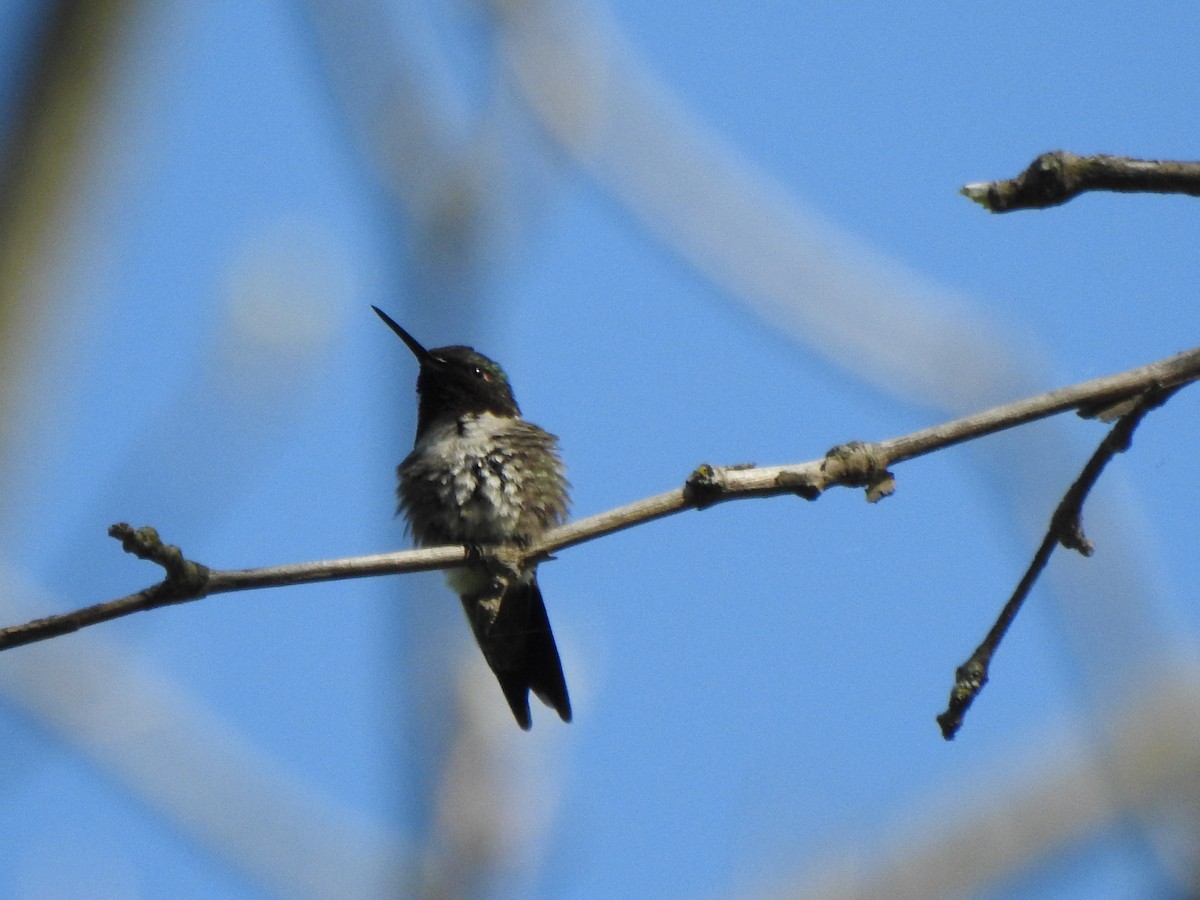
(854,464)
(1056,177)
(1066,528)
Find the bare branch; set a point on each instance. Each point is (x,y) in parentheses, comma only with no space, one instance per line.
(1066,528)
(179,588)
(855,464)
(1056,177)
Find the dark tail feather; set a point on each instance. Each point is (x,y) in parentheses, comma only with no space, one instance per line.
(519,646)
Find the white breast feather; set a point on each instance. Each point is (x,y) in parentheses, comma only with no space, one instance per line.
(481,506)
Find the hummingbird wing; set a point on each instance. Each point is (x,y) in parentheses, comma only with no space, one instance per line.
(520,649)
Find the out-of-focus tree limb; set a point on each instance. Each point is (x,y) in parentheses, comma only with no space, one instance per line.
(171,751)
(730,221)
(45,152)
(970,839)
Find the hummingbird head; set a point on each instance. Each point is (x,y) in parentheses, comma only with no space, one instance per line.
(454,381)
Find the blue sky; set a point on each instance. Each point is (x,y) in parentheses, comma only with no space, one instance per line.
(754,685)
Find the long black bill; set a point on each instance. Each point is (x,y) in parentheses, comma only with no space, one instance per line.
(418,351)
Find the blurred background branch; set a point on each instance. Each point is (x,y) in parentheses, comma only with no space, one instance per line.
(45,152)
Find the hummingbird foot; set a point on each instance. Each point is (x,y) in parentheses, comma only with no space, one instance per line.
(501,560)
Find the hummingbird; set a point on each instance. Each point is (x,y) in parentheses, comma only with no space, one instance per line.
(480,474)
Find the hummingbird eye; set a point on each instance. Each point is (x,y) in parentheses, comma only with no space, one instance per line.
(480,374)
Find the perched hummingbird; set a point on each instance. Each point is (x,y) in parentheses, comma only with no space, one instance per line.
(480,474)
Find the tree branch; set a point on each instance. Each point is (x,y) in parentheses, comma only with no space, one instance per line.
(1066,528)
(1056,177)
(187,580)
(855,464)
